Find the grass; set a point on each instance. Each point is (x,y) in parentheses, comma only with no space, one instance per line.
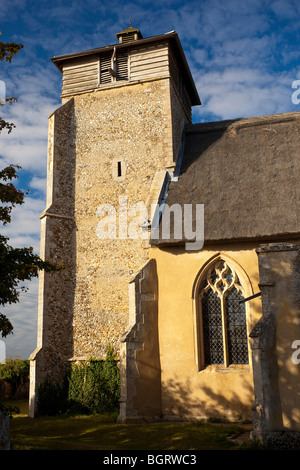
(103,433)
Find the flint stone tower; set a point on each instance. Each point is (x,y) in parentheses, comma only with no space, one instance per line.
(115,140)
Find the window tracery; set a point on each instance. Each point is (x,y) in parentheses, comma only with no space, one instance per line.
(223,323)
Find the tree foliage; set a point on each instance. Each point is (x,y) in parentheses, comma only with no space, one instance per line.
(16,264)
(7,51)
(15,371)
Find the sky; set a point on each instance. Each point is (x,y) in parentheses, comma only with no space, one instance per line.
(243,55)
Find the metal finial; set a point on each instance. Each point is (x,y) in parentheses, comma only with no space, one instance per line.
(130,21)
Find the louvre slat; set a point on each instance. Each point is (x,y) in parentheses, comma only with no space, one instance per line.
(128,38)
(105,64)
(122,68)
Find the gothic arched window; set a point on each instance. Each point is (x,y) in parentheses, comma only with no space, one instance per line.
(222,323)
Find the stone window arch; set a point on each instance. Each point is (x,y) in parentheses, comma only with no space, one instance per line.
(220,318)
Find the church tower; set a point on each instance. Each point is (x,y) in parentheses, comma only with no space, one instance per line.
(112,145)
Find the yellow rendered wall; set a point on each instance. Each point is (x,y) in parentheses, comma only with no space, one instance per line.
(186,391)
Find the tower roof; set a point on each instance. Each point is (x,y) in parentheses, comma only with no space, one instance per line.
(171,38)
(129,34)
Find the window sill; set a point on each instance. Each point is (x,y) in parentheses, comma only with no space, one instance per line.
(233,368)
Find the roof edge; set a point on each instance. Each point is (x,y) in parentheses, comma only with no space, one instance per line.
(111,46)
(170,36)
(267,238)
(239,123)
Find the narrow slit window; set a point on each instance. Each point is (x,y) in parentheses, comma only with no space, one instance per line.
(119,169)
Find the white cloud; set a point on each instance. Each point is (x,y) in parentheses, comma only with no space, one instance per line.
(289,9)
(26,145)
(11,9)
(24,229)
(29,154)
(23,316)
(36,89)
(39,183)
(238,92)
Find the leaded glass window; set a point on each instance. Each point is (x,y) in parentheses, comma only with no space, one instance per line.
(223,318)
(212,328)
(236,328)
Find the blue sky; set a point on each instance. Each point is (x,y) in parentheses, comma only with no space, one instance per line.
(243,55)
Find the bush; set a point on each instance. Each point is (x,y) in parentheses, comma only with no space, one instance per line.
(95,385)
(15,371)
(92,387)
(52,398)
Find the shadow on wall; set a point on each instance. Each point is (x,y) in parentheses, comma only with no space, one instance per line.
(288,350)
(181,402)
(277,368)
(58,245)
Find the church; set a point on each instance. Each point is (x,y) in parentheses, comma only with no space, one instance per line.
(181,243)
